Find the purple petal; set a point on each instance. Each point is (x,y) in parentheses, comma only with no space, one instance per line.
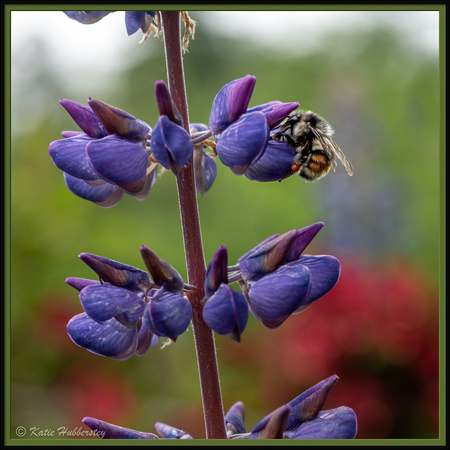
(69,155)
(168,314)
(133,21)
(169,432)
(118,160)
(109,431)
(230,103)
(338,423)
(118,121)
(165,103)
(104,301)
(216,272)
(305,236)
(118,274)
(267,256)
(149,181)
(261,244)
(197,127)
(146,339)
(275,111)
(205,169)
(274,165)
(87,17)
(272,426)
(106,195)
(325,272)
(80,283)
(243,142)
(162,272)
(277,295)
(106,339)
(226,312)
(234,419)
(171,145)
(68,134)
(85,118)
(308,404)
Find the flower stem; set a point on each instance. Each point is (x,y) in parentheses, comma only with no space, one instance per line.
(192,238)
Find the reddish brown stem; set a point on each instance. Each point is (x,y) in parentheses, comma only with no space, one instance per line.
(192,238)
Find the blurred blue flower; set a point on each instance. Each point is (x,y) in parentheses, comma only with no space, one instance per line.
(301,418)
(278,280)
(126,312)
(134,20)
(242,133)
(109,157)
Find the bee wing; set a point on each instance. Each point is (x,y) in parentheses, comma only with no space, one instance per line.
(333,150)
(342,158)
(326,146)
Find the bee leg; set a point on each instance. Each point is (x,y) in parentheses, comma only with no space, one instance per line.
(277,136)
(211,145)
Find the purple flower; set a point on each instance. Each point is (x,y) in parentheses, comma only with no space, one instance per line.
(108,157)
(126,312)
(170,143)
(134,20)
(301,418)
(225,310)
(109,431)
(167,432)
(87,17)
(242,133)
(278,280)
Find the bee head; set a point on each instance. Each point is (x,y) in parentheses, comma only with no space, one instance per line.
(317,122)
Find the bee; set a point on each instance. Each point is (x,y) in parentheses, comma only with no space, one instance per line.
(310,134)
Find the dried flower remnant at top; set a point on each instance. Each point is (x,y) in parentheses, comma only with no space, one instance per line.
(126,312)
(135,20)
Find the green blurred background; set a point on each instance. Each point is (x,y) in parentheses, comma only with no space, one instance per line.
(377,330)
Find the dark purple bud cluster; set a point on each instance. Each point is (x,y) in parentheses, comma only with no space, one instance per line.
(301,418)
(108,157)
(126,312)
(276,279)
(242,133)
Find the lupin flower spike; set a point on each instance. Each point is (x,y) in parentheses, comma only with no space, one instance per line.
(126,310)
(108,157)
